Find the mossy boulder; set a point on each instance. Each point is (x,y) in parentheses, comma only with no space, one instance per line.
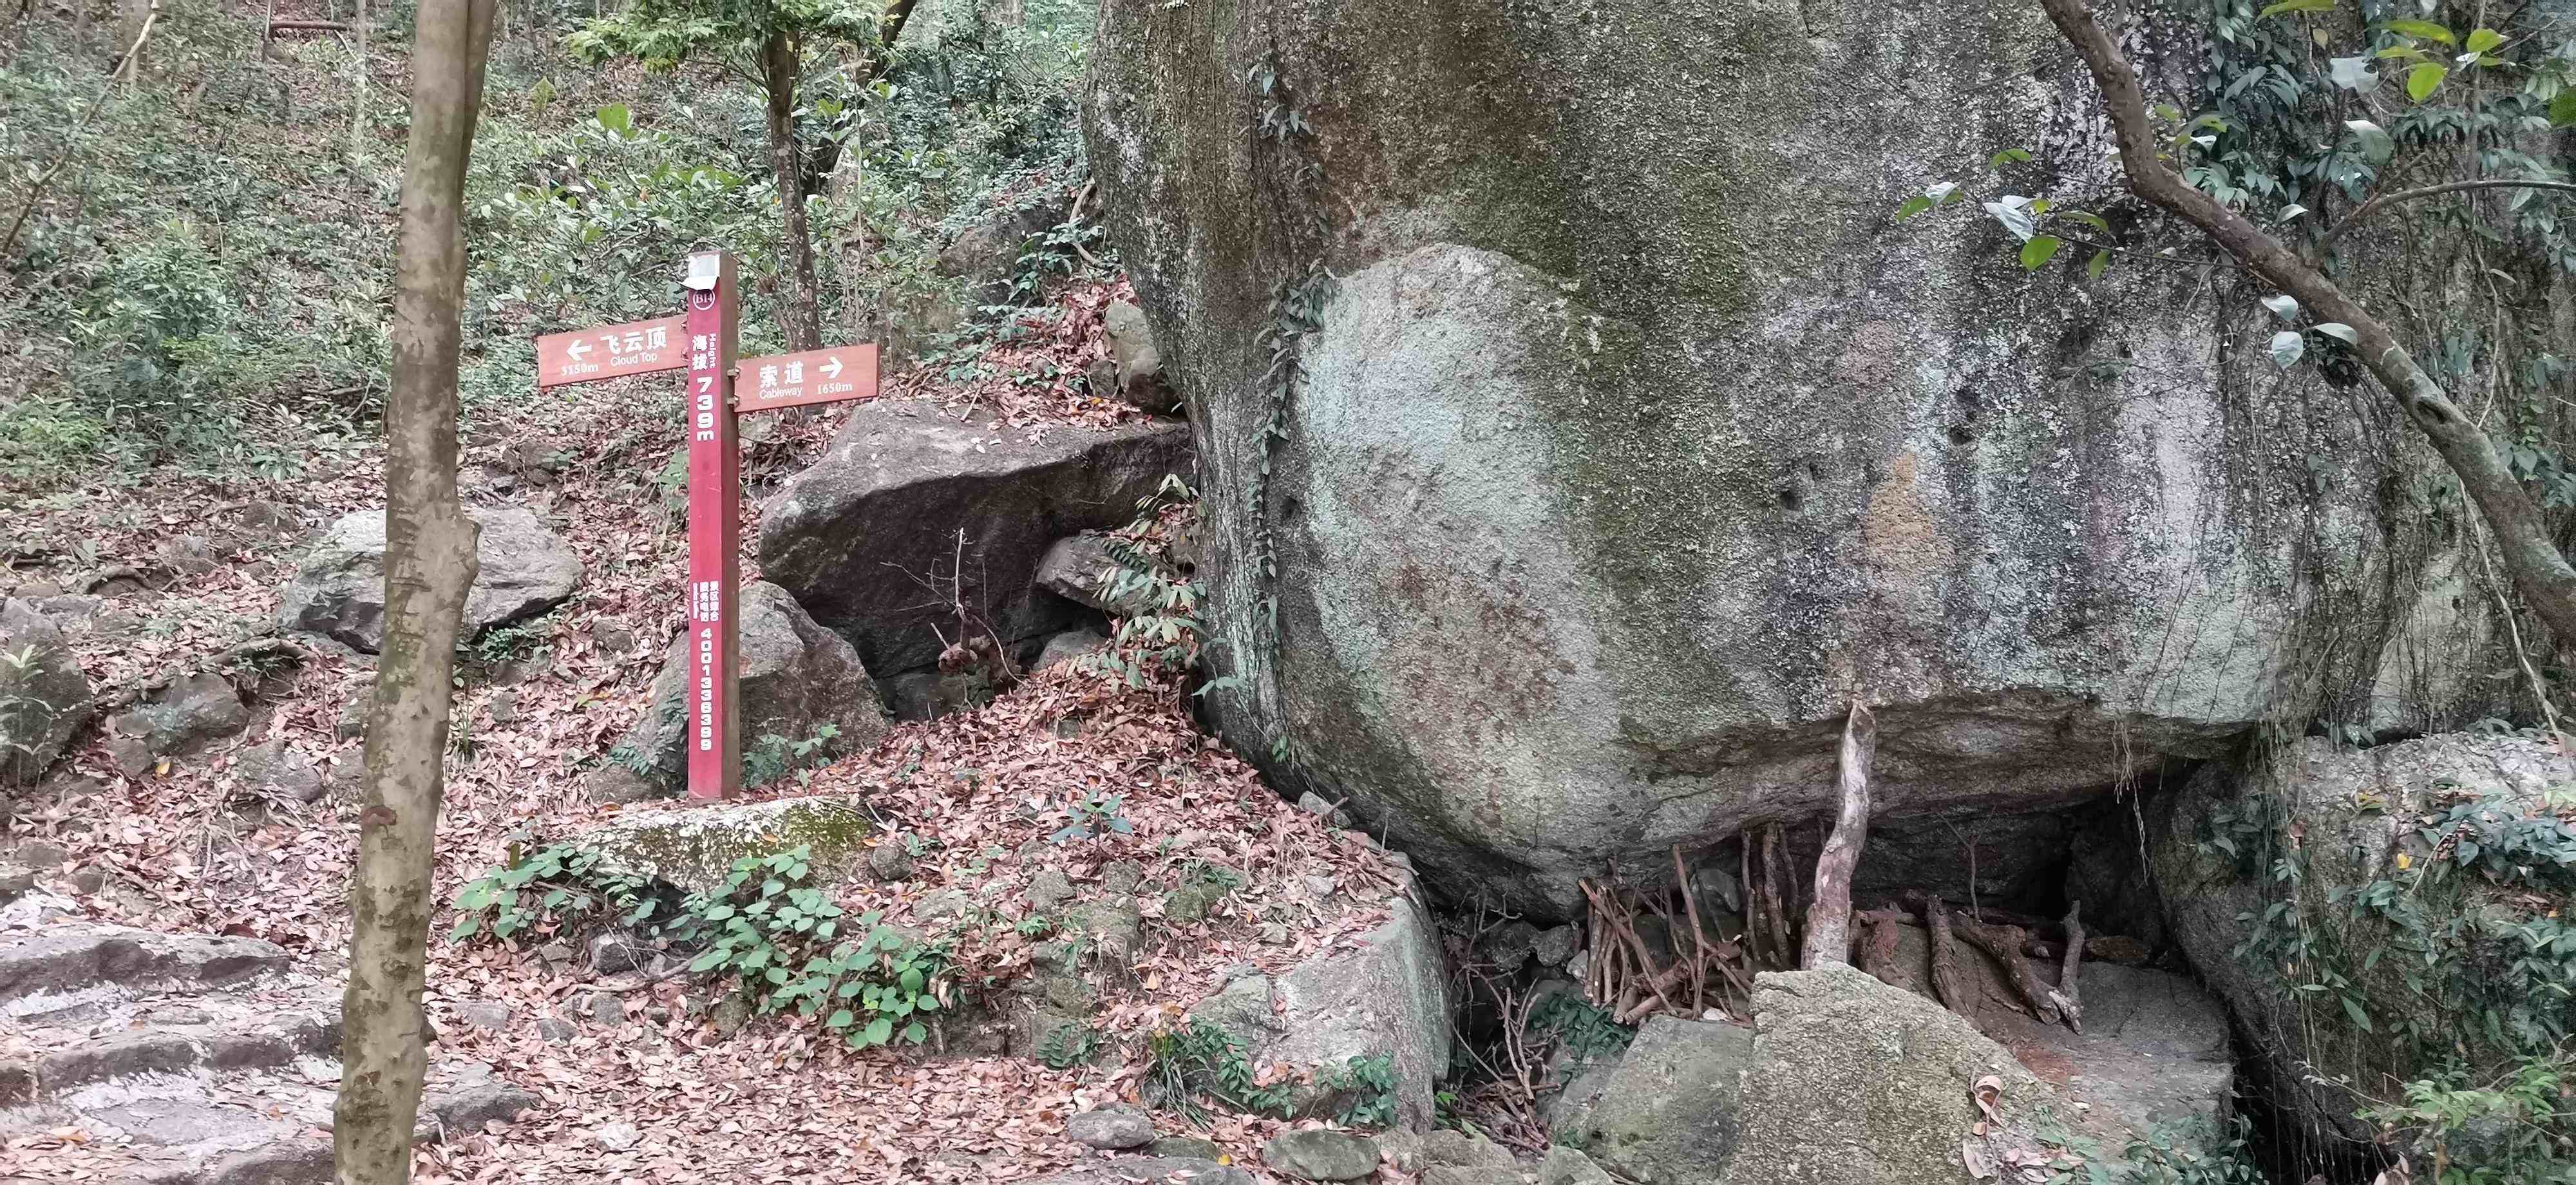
(695,847)
(1634,437)
(2378,916)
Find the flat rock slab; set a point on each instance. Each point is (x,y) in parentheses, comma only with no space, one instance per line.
(1151,1170)
(523,569)
(2153,1051)
(694,847)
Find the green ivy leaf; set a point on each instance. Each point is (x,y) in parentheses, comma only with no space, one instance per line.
(879,1031)
(2422,31)
(841,1019)
(2093,267)
(2007,156)
(2562,108)
(2339,331)
(2284,305)
(2353,74)
(1913,206)
(2287,348)
(2036,253)
(2296,6)
(2483,40)
(2424,79)
(2352,1009)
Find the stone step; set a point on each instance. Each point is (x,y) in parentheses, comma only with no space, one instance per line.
(250,1127)
(51,967)
(215,1033)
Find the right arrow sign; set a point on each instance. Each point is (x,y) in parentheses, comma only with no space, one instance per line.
(815,376)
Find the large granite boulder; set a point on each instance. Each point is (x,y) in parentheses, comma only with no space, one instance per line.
(44,695)
(522,569)
(2384,917)
(868,539)
(1634,437)
(1842,1080)
(694,847)
(796,677)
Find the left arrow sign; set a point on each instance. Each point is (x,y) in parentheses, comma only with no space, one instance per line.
(613,351)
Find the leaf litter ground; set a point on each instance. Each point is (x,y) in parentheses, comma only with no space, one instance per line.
(187,846)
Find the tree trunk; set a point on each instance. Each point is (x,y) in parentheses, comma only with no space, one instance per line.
(131,18)
(1829,917)
(2540,572)
(799,308)
(429,565)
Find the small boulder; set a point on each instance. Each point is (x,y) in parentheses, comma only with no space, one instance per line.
(1114,1128)
(279,772)
(1078,568)
(1193,1147)
(491,1016)
(888,861)
(986,253)
(1320,1154)
(1068,646)
(796,677)
(616,951)
(1150,1170)
(339,587)
(1385,999)
(44,695)
(1139,364)
(181,718)
(1569,1166)
(618,1137)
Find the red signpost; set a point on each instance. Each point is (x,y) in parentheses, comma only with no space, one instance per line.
(702,341)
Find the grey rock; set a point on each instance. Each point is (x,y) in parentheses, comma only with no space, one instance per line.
(615,951)
(694,847)
(468,1106)
(2357,812)
(1193,902)
(1387,998)
(45,697)
(1151,1170)
(946,903)
(1114,1128)
(1569,1166)
(1579,563)
(188,555)
(1137,365)
(1193,1147)
(1077,568)
(618,1137)
(1508,947)
(190,713)
(605,1008)
(1316,805)
(1320,1154)
(1554,946)
(338,589)
(557,1031)
(1456,1149)
(502,707)
(72,610)
(888,861)
(850,535)
(1450,1174)
(731,1014)
(15,880)
(38,854)
(796,677)
(985,254)
(1067,646)
(491,1016)
(277,770)
(1836,1060)
(1049,889)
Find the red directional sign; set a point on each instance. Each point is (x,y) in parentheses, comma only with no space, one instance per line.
(612,351)
(815,376)
(715,530)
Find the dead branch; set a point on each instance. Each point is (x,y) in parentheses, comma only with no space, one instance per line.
(1878,945)
(2384,200)
(1946,981)
(2065,997)
(2003,944)
(1829,917)
(307,27)
(1766,910)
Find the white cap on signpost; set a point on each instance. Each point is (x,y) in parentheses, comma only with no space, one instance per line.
(704,267)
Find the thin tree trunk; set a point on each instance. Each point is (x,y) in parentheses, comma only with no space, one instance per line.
(799,309)
(1948,982)
(132,16)
(429,565)
(1829,916)
(2540,571)
(2069,1001)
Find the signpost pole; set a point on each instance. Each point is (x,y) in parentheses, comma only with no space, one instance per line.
(715,529)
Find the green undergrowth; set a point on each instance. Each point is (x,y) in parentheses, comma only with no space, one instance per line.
(769,934)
